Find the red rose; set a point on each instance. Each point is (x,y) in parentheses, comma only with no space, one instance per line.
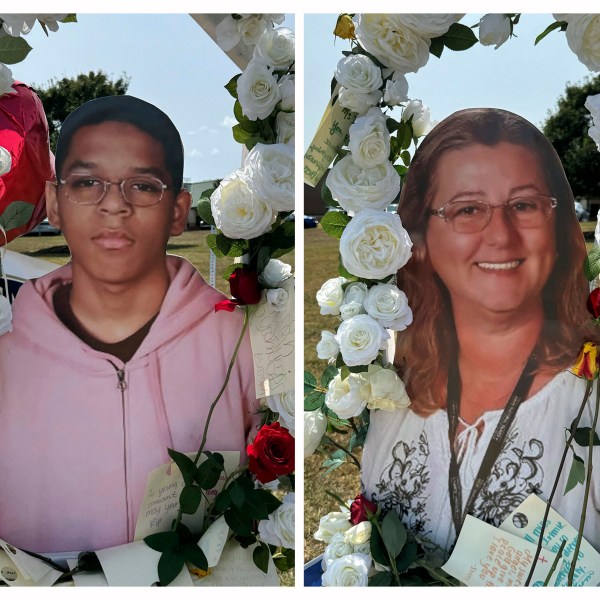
(243,283)
(272,453)
(358,509)
(593,303)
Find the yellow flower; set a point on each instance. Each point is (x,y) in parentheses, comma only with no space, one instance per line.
(344,28)
(587,362)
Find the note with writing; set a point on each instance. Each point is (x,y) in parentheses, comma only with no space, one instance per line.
(135,564)
(486,556)
(526,522)
(236,568)
(161,499)
(272,338)
(331,135)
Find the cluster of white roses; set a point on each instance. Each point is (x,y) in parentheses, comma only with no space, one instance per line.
(347,558)
(275,279)
(279,528)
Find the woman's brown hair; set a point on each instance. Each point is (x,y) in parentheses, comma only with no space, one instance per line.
(423,350)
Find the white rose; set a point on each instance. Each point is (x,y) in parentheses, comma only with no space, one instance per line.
(5,315)
(285,127)
(337,547)
(51,21)
(344,396)
(360,339)
(16,25)
(278,299)
(270,172)
(594,133)
(332,523)
(389,306)
(276,48)
(392,42)
(287,87)
(258,91)
(362,548)
(421,122)
(369,139)
(374,244)
(396,89)
(237,212)
(384,389)
(358,73)
(5,161)
(494,30)
(251,28)
(431,25)
(275,273)
(327,348)
(355,292)
(358,102)
(359,533)
(6,80)
(278,529)
(351,309)
(351,570)
(583,37)
(315,426)
(330,296)
(356,188)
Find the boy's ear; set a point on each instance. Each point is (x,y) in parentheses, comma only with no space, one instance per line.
(52,204)
(181,210)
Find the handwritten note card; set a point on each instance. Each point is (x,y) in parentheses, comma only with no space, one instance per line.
(161,500)
(526,522)
(272,338)
(486,556)
(236,568)
(331,135)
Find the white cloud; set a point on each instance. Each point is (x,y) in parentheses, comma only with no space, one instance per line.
(228,122)
(196,153)
(214,151)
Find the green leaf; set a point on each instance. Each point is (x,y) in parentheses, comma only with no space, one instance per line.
(71,18)
(381,579)
(327,197)
(591,264)
(238,522)
(332,464)
(238,495)
(231,85)
(13,49)
(186,465)
(310,382)
(328,374)
(222,246)
(285,562)
(582,437)
(260,504)
(194,554)
(576,474)
(170,565)
(391,124)
(209,471)
(230,269)
(401,169)
(260,556)
(162,541)
(334,222)
(550,28)
(339,361)
(405,156)
(262,260)
(407,556)
(459,37)
(223,500)
(16,214)
(314,400)
(394,533)
(436,47)
(405,135)
(205,212)
(189,499)
(242,136)
(378,549)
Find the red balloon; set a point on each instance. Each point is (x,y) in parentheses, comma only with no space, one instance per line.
(24,134)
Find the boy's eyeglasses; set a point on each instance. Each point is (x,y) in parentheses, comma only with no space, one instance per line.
(138,191)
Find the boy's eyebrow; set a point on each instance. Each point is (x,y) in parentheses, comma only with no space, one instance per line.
(80,164)
(154,171)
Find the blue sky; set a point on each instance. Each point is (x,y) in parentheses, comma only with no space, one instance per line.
(172,63)
(519,76)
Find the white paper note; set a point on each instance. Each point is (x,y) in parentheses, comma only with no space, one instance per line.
(526,522)
(30,567)
(486,556)
(86,579)
(213,541)
(272,338)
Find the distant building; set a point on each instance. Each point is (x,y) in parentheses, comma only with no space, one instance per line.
(196,189)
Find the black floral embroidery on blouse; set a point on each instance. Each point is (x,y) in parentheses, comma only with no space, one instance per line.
(403,482)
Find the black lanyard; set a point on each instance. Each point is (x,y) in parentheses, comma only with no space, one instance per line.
(496,443)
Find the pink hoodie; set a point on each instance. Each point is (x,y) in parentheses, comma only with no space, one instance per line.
(75,449)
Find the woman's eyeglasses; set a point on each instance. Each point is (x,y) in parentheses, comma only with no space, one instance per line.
(471,216)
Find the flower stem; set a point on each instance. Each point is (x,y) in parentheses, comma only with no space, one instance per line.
(588,481)
(354,459)
(435,573)
(555,562)
(391,558)
(586,395)
(216,400)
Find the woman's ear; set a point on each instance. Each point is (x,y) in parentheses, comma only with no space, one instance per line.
(52,204)
(181,210)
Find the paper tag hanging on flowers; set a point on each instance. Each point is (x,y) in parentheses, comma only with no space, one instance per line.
(26,154)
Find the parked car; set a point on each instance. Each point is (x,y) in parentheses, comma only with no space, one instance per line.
(44,228)
(582,213)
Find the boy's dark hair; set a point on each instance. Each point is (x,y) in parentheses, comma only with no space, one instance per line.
(125,109)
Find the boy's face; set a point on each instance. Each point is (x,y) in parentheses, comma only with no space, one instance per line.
(113,241)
